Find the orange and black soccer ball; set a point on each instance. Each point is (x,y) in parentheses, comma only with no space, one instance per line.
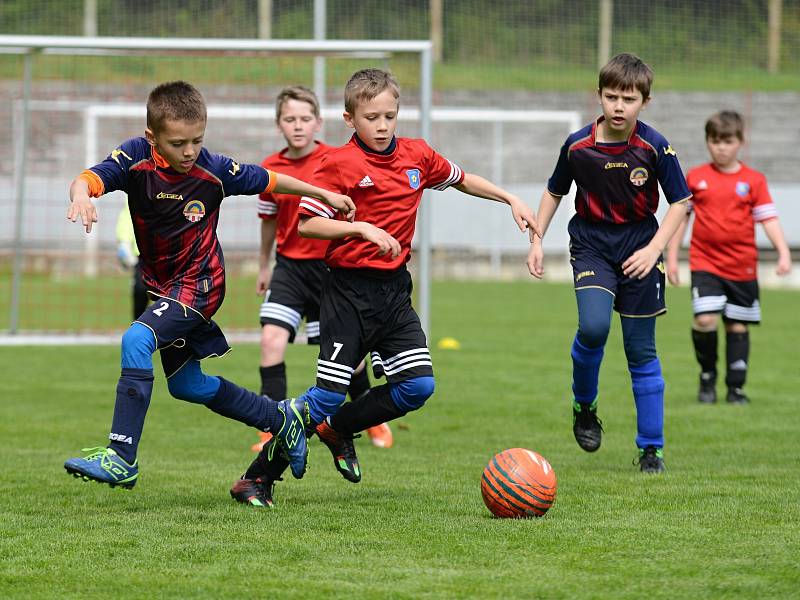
(518,483)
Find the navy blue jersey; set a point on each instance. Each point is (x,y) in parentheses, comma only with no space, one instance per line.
(618,182)
(175,217)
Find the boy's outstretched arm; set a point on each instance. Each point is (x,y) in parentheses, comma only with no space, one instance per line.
(775,234)
(673,249)
(287,184)
(640,263)
(475,185)
(330,229)
(547,208)
(80,204)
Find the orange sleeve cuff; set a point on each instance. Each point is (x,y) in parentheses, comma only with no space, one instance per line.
(96,185)
(273,182)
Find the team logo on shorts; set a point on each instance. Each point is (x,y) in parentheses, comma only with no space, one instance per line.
(742,188)
(639,176)
(413,178)
(194,211)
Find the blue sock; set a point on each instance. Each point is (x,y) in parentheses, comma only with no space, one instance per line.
(322,403)
(648,392)
(585,371)
(134,389)
(245,406)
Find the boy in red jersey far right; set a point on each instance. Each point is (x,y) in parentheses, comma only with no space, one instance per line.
(728,198)
(366,300)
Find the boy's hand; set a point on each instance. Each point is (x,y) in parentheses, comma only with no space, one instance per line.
(523,215)
(536,258)
(81,206)
(641,262)
(262,281)
(784,264)
(385,242)
(672,272)
(341,203)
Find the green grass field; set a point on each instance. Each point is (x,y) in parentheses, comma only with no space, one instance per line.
(721,523)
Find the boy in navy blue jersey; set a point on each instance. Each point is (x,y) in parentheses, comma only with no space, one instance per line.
(175,188)
(617,163)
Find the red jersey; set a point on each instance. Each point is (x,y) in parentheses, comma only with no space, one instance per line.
(283,207)
(386,189)
(726,208)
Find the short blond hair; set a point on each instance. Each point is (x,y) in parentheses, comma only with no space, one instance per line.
(364,85)
(174,101)
(299,93)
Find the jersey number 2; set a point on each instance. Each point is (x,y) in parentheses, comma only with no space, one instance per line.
(159,312)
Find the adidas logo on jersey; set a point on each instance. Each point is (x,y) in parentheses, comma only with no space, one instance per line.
(366,182)
(702,185)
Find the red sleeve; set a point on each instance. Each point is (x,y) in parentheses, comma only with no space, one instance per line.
(267,206)
(441,172)
(763,206)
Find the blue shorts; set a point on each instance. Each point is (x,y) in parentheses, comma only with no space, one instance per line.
(597,251)
(182,334)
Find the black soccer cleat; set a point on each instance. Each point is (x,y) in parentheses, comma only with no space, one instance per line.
(255,492)
(737,396)
(588,429)
(343,451)
(707,392)
(651,460)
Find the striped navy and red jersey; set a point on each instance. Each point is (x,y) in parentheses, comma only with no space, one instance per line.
(618,182)
(175,216)
(726,207)
(386,189)
(283,207)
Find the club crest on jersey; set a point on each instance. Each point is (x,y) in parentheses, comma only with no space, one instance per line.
(413,178)
(639,176)
(742,188)
(194,211)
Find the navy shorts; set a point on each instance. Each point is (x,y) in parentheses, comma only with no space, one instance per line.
(294,293)
(182,334)
(736,300)
(368,310)
(597,251)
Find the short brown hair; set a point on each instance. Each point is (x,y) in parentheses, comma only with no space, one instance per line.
(725,123)
(299,93)
(364,85)
(175,101)
(626,72)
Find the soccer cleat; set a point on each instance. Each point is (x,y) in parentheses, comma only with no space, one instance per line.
(737,396)
(343,451)
(707,394)
(291,436)
(255,492)
(264,437)
(588,429)
(381,435)
(104,466)
(651,460)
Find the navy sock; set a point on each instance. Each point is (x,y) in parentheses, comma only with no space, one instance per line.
(648,392)
(134,389)
(737,350)
(245,406)
(273,381)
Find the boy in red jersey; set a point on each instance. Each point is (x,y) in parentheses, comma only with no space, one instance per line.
(175,189)
(617,163)
(728,198)
(366,301)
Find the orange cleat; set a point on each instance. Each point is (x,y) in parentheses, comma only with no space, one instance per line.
(381,436)
(265,437)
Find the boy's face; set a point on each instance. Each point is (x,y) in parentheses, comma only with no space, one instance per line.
(298,124)
(375,120)
(724,150)
(178,142)
(621,108)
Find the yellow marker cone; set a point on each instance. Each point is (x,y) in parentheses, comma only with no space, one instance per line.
(448,343)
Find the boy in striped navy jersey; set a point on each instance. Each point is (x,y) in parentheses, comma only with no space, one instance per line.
(175,188)
(366,301)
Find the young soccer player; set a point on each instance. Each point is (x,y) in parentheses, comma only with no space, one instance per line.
(617,163)
(293,290)
(366,301)
(175,187)
(728,198)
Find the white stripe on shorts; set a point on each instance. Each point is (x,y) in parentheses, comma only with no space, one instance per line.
(312,328)
(407,360)
(709,304)
(744,313)
(279,312)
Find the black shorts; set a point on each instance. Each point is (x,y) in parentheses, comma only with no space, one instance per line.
(368,310)
(597,251)
(182,334)
(294,293)
(736,300)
